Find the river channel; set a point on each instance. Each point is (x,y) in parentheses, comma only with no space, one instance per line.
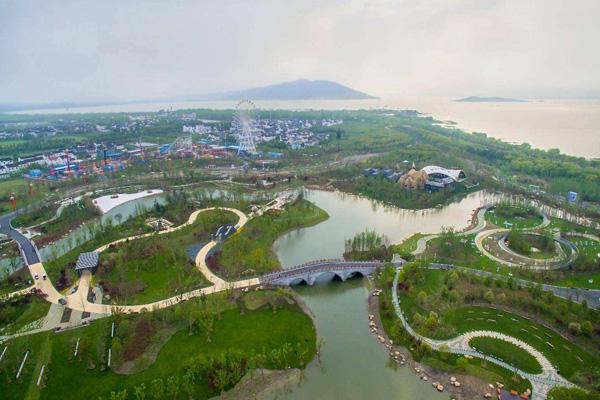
(353,365)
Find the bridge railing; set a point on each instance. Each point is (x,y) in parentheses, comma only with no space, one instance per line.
(320,266)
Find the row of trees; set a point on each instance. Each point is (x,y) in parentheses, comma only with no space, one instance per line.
(217,373)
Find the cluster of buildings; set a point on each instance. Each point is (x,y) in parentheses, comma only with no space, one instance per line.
(79,159)
(430,177)
(295,133)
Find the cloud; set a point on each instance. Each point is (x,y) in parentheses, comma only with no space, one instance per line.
(78,50)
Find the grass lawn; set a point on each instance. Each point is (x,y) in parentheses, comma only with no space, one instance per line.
(517,222)
(250,252)
(448,362)
(461,250)
(586,247)
(408,245)
(19,312)
(35,217)
(157,267)
(252,332)
(20,187)
(568,357)
(566,226)
(584,280)
(507,352)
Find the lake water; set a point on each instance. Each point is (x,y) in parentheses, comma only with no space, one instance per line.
(573,126)
(353,363)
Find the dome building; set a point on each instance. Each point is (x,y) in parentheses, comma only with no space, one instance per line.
(413,179)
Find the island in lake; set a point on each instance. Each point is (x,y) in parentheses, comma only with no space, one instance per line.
(477,99)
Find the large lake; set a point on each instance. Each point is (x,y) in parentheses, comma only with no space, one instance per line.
(573,126)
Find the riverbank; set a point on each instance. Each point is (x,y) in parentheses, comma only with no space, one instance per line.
(263,383)
(470,387)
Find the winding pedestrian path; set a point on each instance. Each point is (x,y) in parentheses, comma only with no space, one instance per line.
(541,383)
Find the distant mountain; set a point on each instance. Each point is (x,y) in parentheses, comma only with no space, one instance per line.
(476,99)
(301,89)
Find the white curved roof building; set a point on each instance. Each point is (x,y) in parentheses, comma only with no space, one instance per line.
(458,175)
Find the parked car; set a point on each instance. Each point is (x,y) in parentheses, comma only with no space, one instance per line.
(36,276)
(62,301)
(44,277)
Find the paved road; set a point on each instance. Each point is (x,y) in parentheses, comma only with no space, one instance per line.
(28,249)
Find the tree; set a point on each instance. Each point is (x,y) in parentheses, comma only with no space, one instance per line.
(489,296)
(157,389)
(173,387)
(139,392)
(587,328)
(575,328)
(432,320)
(338,135)
(187,382)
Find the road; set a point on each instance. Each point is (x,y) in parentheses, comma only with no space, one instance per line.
(26,246)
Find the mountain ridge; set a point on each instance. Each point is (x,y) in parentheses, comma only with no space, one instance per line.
(300,89)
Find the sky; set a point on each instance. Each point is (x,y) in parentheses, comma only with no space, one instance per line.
(88,50)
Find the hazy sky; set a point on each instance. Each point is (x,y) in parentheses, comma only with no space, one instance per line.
(87,50)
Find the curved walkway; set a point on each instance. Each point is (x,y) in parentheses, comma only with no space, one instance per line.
(480,226)
(541,383)
(78,300)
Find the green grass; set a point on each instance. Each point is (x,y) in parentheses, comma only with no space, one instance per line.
(447,362)
(86,376)
(250,252)
(159,264)
(408,245)
(568,357)
(480,368)
(513,222)
(587,247)
(18,314)
(581,281)
(507,352)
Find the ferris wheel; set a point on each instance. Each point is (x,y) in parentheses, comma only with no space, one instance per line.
(244,125)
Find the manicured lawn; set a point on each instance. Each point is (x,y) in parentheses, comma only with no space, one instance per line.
(461,250)
(252,332)
(568,357)
(19,313)
(250,251)
(507,352)
(586,247)
(584,280)
(450,363)
(564,354)
(514,217)
(409,244)
(150,269)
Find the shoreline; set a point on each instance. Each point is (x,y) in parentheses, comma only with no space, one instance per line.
(470,386)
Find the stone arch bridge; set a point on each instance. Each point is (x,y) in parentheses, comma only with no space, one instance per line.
(320,271)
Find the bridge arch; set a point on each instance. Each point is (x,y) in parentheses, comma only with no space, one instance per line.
(298,281)
(328,276)
(355,274)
